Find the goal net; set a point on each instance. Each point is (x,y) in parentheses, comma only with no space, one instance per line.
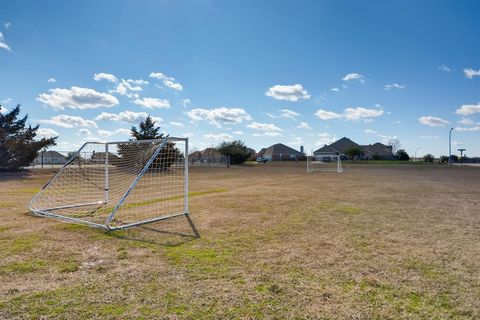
(117,185)
(324,163)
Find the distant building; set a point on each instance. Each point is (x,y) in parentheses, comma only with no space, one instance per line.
(50,157)
(281,152)
(372,151)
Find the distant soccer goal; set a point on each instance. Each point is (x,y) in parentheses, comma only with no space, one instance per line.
(117,185)
(324,163)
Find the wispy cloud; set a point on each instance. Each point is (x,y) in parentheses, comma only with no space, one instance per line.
(351,114)
(217,116)
(167,81)
(124,116)
(444,68)
(151,103)
(433,121)
(468,109)
(66,121)
(3,44)
(267,129)
(303,125)
(354,76)
(394,86)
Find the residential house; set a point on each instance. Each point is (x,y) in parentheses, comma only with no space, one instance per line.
(281,152)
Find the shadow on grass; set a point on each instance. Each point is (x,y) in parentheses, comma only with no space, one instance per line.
(163,233)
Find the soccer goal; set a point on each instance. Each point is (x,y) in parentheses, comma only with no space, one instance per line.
(117,185)
(324,163)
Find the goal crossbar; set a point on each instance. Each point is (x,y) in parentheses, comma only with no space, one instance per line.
(117,185)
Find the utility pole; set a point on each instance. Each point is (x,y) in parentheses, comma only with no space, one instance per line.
(416,153)
(450,146)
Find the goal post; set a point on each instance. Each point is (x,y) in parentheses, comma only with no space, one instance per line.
(324,163)
(116,185)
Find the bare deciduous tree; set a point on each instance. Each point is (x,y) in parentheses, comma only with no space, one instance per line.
(395,144)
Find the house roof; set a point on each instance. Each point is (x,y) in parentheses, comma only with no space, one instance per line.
(51,154)
(378,149)
(208,152)
(340,146)
(280,148)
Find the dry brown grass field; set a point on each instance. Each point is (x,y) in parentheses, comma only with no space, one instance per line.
(376,242)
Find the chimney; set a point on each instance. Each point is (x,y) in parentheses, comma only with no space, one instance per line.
(301,149)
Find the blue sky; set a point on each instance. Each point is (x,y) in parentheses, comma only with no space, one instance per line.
(297,72)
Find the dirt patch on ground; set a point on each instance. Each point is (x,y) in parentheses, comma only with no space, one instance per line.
(277,242)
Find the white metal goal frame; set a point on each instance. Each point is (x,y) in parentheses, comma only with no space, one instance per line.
(324,163)
(117,185)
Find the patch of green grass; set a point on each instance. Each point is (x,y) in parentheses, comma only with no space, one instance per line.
(427,270)
(7,204)
(268,288)
(24,243)
(114,310)
(27,266)
(68,266)
(3,228)
(23,191)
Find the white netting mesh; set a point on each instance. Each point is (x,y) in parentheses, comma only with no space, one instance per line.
(324,163)
(92,185)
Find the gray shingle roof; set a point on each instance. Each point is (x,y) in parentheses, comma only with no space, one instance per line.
(378,149)
(340,146)
(280,148)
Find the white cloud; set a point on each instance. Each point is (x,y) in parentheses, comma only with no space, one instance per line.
(7,25)
(52,80)
(177,124)
(289,114)
(85,132)
(296,141)
(238,132)
(8,100)
(173,85)
(470,73)
(66,121)
(394,86)
(444,68)
(218,137)
(216,116)
(46,133)
(126,88)
(77,98)
(466,122)
(125,116)
(3,44)
(167,81)
(354,76)
(360,113)
(3,109)
(370,131)
(335,89)
(303,125)
(151,103)
(432,121)
(468,109)
(429,137)
(327,115)
(104,76)
(288,92)
(477,128)
(138,82)
(160,76)
(324,138)
(267,129)
(186,102)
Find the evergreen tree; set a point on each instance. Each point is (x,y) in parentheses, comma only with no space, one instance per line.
(18,146)
(140,153)
(236,150)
